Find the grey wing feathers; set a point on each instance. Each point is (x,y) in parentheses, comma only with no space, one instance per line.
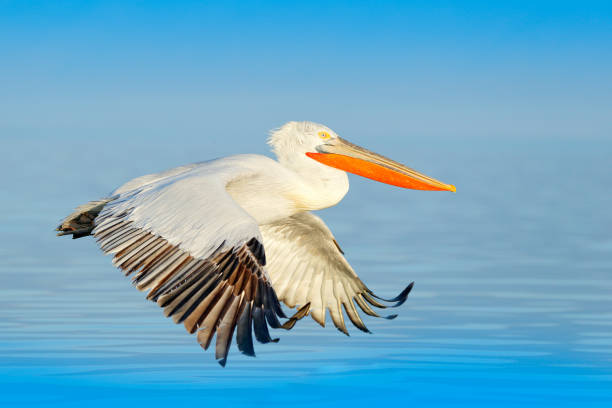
(193,248)
(216,295)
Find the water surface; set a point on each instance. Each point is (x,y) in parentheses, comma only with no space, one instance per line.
(511,304)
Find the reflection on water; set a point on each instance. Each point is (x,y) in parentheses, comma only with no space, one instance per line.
(511,303)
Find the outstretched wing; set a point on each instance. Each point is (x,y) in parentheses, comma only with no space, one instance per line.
(197,252)
(307,266)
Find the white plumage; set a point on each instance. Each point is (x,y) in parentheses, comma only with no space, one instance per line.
(216,243)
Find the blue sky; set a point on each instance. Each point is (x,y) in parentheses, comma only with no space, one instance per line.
(433,70)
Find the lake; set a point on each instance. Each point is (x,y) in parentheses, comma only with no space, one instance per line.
(511,304)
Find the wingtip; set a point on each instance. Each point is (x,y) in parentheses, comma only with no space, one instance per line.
(302,311)
(288,325)
(399,299)
(363,328)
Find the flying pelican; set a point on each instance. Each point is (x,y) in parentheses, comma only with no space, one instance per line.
(218,244)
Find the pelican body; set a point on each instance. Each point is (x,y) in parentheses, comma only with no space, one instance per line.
(219,244)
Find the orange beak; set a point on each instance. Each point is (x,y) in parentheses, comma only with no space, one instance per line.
(343,155)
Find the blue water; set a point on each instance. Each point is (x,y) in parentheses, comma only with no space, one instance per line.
(511,305)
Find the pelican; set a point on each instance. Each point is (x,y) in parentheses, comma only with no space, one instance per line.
(219,244)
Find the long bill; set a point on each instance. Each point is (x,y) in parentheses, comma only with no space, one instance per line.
(347,156)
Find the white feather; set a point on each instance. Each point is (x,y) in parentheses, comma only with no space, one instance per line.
(324,279)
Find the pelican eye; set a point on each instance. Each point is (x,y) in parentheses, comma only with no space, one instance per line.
(324,135)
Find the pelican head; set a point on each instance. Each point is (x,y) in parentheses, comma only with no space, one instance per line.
(296,141)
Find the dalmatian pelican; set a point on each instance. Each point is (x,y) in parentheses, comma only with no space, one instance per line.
(219,244)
